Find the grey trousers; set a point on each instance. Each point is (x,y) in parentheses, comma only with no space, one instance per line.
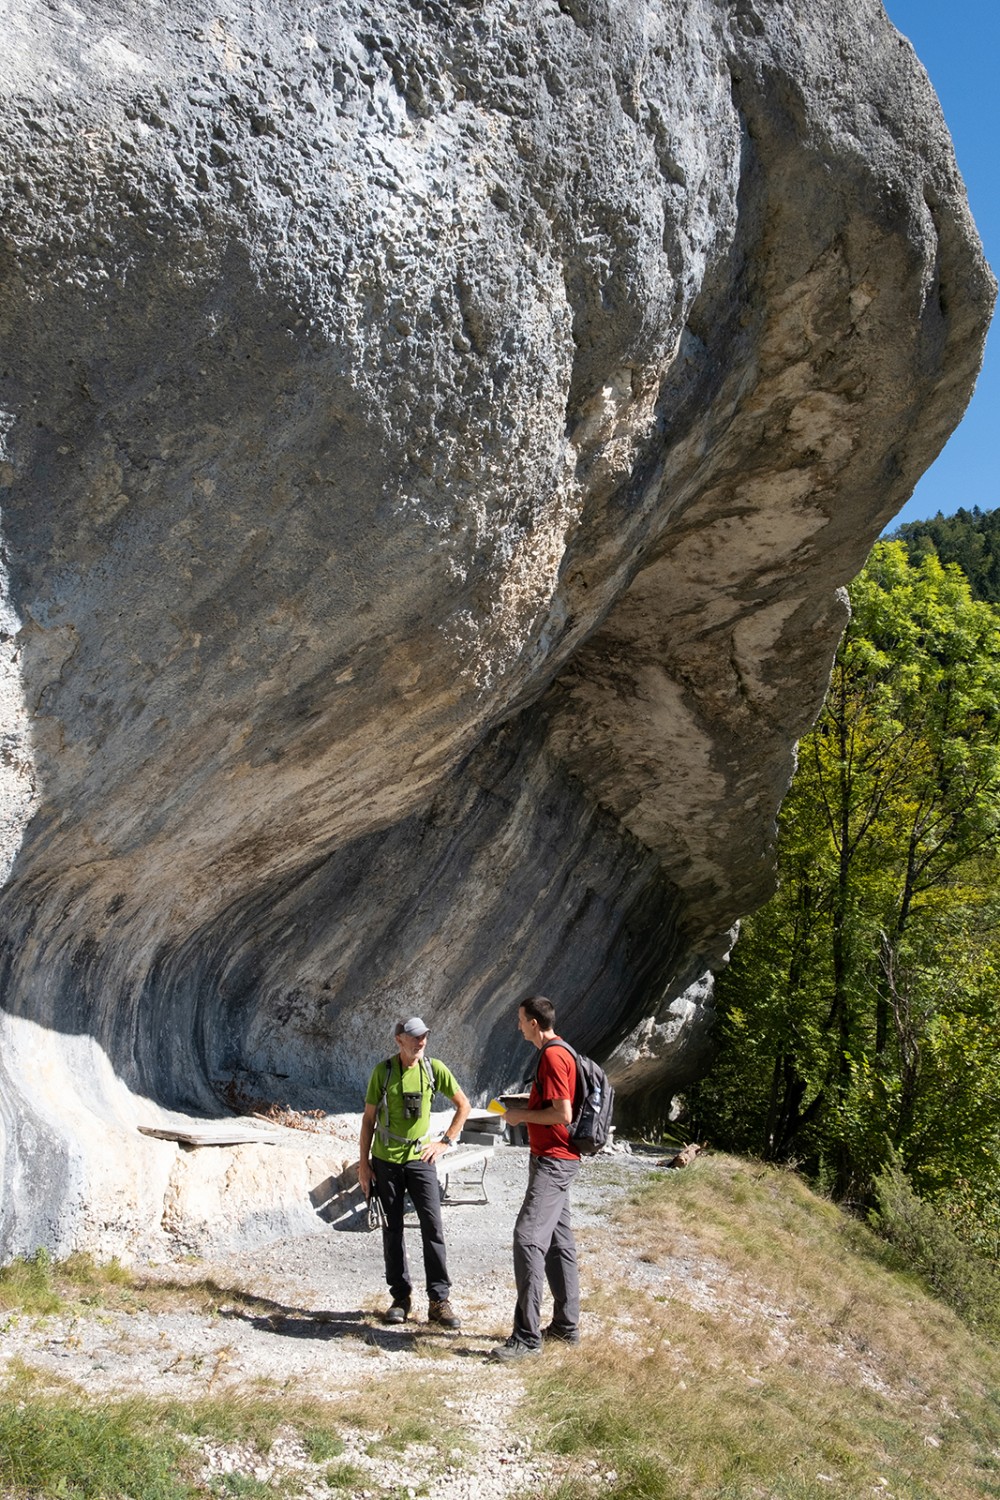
(544,1250)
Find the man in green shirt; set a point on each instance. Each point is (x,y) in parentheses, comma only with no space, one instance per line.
(397,1152)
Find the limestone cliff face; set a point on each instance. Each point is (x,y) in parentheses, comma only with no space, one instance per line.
(434,437)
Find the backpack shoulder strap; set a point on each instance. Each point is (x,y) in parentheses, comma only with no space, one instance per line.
(382,1130)
(555,1042)
(387,1065)
(382,1108)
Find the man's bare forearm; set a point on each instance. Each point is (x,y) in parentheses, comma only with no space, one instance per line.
(556,1112)
(458,1119)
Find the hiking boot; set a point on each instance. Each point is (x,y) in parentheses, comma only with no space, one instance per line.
(513,1350)
(443,1313)
(398,1312)
(560,1335)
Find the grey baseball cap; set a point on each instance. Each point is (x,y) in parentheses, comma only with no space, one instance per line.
(415,1026)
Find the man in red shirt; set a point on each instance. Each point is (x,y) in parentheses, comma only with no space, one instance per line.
(544,1248)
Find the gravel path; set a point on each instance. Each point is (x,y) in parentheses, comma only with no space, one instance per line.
(316,1327)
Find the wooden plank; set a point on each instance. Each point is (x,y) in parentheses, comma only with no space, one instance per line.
(222,1136)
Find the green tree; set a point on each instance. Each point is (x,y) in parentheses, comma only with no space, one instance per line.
(970,538)
(854,995)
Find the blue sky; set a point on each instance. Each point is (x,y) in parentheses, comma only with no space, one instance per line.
(958,42)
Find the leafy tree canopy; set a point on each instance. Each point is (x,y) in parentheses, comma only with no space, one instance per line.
(970,538)
(860,1016)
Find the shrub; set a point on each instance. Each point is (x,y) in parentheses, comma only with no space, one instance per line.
(958,1274)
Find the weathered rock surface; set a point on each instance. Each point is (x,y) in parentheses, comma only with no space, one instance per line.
(434,437)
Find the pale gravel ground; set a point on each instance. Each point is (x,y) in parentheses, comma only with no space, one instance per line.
(321,1333)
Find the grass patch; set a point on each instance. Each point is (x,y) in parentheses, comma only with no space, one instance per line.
(242,1485)
(245,1487)
(237,1416)
(58,1447)
(83,1272)
(28,1285)
(410,1409)
(347,1477)
(38,1284)
(799,1364)
(321,1443)
(56,1442)
(412,1430)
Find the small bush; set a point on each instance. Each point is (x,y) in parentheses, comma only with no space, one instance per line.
(961,1277)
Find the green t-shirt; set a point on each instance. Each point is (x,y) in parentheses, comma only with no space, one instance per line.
(413,1081)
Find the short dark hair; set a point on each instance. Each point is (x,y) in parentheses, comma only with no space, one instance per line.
(538,1008)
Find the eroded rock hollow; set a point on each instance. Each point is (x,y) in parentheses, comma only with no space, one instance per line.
(434,438)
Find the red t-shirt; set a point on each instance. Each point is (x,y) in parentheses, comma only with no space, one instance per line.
(556,1080)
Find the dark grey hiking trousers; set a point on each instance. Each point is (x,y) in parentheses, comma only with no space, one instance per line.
(544,1250)
(420,1180)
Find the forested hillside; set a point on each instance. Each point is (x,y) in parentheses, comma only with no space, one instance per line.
(970,538)
(860,1016)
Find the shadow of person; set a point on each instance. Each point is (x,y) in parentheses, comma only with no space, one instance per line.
(343,1207)
(216,1295)
(297,1323)
(326,1325)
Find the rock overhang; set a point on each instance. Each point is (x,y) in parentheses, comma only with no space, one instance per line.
(434,444)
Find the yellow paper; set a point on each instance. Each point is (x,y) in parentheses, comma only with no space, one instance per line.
(496,1108)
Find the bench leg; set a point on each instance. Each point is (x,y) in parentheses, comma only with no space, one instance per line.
(484,1196)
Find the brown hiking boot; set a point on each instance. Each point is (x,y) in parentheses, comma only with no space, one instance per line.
(443,1313)
(398,1312)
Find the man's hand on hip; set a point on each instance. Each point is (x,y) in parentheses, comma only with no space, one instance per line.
(434,1150)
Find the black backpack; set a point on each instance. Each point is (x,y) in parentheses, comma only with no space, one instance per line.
(593,1104)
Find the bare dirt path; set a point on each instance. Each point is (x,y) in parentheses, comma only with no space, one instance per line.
(303,1315)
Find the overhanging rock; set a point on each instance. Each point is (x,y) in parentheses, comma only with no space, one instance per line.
(434,440)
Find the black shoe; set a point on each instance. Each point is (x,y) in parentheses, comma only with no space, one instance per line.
(513,1350)
(442,1312)
(554,1335)
(398,1312)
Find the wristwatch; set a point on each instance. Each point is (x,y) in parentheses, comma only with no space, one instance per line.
(447,1140)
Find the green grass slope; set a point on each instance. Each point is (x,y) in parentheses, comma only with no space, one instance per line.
(774,1347)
